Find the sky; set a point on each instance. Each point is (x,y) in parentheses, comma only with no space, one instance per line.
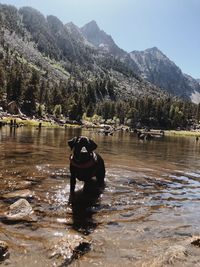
(173,26)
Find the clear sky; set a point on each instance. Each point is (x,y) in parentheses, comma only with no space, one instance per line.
(171,25)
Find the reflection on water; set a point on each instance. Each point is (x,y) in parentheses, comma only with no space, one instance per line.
(86,203)
(149,205)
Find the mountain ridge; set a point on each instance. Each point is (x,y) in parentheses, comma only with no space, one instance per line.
(151,64)
(157,68)
(51,47)
(90,46)
(51,68)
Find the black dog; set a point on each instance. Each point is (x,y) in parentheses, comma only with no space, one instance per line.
(84,163)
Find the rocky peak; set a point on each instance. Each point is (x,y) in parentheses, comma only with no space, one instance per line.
(152,61)
(100,39)
(106,45)
(150,55)
(71,25)
(76,33)
(94,35)
(154,50)
(91,27)
(32,15)
(73,29)
(54,23)
(158,69)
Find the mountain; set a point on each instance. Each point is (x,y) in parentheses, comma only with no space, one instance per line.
(105,43)
(53,38)
(88,52)
(100,39)
(64,60)
(77,34)
(151,64)
(53,69)
(158,69)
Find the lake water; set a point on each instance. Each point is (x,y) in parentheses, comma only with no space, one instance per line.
(146,216)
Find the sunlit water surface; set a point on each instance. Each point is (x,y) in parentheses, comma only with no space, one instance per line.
(151,202)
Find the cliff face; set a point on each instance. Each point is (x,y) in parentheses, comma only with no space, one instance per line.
(100,39)
(161,71)
(105,44)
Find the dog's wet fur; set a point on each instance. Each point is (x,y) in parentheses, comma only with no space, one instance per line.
(85,163)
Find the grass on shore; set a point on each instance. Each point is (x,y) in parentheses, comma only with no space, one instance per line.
(182,133)
(35,123)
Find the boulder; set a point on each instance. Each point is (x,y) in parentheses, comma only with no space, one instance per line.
(13,108)
(67,248)
(196,241)
(19,211)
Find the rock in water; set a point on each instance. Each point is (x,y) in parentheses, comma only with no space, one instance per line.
(3,250)
(196,241)
(26,193)
(20,210)
(69,247)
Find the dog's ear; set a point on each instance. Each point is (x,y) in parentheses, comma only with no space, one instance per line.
(92,145)
(72,142)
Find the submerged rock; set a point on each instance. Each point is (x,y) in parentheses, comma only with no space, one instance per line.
(26,193)
(172,256)
(20,210)
(20,185)
(196,241)
(67,248)
(3,250)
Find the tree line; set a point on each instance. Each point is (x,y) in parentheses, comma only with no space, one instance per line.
(38,94)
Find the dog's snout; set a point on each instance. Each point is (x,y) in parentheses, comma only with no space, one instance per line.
(84,150)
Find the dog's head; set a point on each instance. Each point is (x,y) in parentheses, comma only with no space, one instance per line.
(82,147)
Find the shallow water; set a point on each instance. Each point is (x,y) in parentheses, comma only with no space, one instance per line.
(146,215)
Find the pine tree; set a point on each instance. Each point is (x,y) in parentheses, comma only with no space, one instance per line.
(30,95)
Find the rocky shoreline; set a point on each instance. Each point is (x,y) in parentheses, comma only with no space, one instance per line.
(101,128)
(62,250)
(51,121)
